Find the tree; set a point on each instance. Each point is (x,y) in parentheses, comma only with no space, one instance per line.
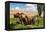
(40,8)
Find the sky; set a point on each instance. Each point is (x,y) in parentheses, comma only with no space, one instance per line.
(27,7)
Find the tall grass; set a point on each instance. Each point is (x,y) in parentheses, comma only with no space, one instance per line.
(38,23)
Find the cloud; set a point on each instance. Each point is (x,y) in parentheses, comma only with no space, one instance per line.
(32,7)
(29,4)
(29,7)
(17,8)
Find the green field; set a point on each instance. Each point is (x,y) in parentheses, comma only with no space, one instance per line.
(14,25)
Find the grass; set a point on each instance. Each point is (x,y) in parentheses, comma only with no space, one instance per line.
(14,25)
